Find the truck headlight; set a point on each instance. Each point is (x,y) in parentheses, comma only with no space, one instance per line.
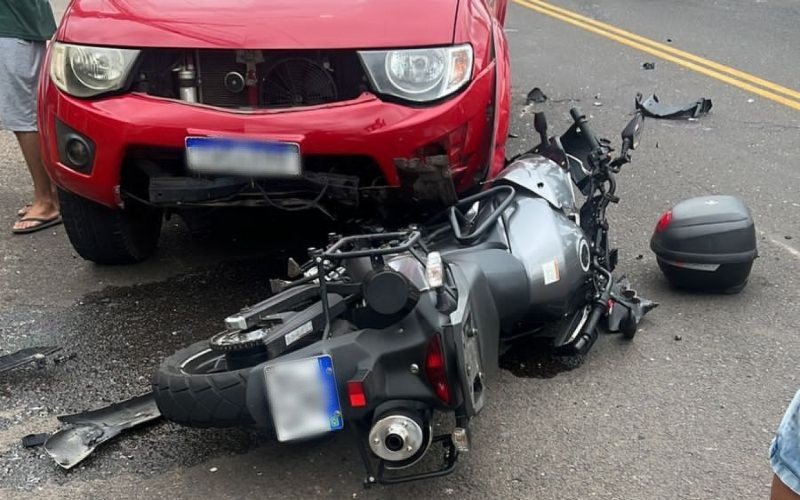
(84,71)
(419,75)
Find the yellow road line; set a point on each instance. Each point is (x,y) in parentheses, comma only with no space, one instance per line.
(672,50)
(676,56)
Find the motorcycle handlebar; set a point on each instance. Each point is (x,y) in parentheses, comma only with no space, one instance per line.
(580,120)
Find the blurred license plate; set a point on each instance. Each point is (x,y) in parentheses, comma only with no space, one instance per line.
(245,157)
(302,398)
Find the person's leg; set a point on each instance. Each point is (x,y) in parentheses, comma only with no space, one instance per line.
(45,202)
(20,65)
(784,454)
(782,492)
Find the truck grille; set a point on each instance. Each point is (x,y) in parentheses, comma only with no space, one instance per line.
(257,79)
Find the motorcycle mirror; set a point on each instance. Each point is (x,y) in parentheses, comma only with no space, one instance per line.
(632,131)
(540,125)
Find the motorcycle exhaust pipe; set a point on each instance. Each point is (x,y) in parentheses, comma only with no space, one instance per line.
(400,438)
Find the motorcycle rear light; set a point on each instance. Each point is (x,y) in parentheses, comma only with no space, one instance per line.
(664,221)
(356,395)
(435,370)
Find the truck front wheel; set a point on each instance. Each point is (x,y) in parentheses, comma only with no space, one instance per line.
(108,236)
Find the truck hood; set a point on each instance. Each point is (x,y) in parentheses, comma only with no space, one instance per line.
(260,24)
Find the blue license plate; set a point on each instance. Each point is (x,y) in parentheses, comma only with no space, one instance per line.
(303,398)
(242,157)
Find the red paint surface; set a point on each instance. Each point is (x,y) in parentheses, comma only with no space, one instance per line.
(364,126)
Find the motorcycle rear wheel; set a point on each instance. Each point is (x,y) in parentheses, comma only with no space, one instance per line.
(196,387)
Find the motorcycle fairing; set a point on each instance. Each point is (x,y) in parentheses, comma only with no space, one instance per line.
(475,333)
(544,178)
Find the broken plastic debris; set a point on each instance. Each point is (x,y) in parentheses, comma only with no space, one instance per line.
(32,440)
(628,301)
(653,108)
(649,65)
(535,96)
(88,430)
(24,356)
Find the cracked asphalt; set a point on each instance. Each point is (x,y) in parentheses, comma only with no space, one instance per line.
(656,418)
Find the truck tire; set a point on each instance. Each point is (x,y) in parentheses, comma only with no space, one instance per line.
(190,392)
(108,236)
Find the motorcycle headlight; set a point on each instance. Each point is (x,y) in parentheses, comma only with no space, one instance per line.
(419,75)
(84,71)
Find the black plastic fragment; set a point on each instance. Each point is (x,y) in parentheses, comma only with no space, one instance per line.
(627,301)
(33,440)
(649,65)
(26,356)
(535,96)
(653,108)
(88,430)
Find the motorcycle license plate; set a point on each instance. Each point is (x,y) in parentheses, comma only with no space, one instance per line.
(303,398)
(244,157)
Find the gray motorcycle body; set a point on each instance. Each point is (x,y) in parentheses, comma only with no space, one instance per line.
(544,234)
(534,263)
(527,267)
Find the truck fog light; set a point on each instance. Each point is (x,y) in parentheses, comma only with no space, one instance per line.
(77,152)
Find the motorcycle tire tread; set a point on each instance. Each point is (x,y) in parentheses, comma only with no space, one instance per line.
(201,400)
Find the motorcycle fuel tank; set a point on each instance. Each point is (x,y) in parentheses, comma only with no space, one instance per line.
(544,236)
(544,178)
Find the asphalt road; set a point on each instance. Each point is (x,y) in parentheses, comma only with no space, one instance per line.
(658,418)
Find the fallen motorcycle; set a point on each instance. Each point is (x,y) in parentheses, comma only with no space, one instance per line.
(380,330)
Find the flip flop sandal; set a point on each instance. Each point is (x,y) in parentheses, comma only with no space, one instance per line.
(24,210)
(42,224)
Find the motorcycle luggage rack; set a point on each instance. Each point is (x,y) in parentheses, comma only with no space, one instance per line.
(349,247)
(450,458)
(394,242)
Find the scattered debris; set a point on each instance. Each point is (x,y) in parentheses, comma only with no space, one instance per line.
(627,300)
(669,40)
(639,257)
(25,356)
(678,338)
(71,445)
(597,103)
(65,357)
(33,440)
(649,65)
(535,96)
(213,469)
(653,108)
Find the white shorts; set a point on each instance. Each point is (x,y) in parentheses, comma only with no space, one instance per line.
(20,62)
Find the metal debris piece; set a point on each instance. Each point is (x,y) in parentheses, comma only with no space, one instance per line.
(653,108)
(25,356)
(627,301)
(88,430)
(535,96)
(649,65)
(33,440)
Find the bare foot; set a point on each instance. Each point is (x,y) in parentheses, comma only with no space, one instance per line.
(38,210)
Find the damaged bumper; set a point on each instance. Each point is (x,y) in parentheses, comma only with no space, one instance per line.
(127,127)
